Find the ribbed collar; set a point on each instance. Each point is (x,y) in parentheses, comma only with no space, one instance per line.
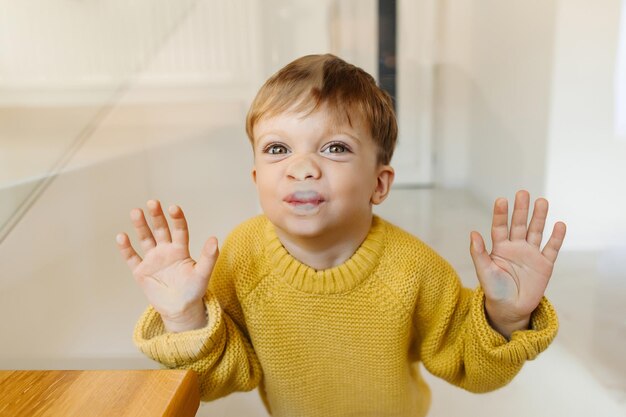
(341,278)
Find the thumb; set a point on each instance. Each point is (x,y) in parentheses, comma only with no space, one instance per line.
(209,255)
(481,259)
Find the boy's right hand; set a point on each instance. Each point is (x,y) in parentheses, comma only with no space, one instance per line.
(172,281)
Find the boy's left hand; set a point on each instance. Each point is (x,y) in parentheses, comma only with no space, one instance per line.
(514,276)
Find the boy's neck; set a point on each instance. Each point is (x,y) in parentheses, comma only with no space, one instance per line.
(327,251)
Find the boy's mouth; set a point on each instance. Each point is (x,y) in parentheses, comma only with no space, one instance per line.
(304,198)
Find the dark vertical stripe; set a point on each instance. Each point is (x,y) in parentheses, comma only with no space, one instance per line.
(387,47)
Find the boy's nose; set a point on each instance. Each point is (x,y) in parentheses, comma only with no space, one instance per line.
(302,168)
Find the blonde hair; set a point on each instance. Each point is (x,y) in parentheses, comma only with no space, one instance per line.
(314,80)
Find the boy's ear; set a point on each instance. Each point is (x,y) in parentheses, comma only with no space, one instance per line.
(384,180)
(254,175)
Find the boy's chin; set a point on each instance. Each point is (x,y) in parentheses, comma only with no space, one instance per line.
(302,228)
(322,229)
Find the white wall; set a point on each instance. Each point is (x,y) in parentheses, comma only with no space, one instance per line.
(493,97)
(452,89)
(525,98)
(587,160)
(414,90)
(512,52)
(620,78)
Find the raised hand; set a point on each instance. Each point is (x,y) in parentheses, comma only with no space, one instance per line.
(172,281)
(514,276)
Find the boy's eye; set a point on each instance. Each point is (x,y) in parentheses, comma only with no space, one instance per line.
(336,148)
(276,149)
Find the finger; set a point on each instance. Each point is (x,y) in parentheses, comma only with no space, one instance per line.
(499,225)
(146,239)
(519,219)
(481,259)
(537,222)
(160,228)
(180,232)
(208,257)
(551,250)
(127,251)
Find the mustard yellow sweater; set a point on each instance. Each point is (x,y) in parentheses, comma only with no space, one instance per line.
(344,341)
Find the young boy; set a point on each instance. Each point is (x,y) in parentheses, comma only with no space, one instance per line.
(325,307)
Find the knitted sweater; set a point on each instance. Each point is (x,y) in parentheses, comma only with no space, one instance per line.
(346,340)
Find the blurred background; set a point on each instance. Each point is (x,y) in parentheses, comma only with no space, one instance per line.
(104,105)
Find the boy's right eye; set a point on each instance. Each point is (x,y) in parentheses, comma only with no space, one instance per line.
(276,149)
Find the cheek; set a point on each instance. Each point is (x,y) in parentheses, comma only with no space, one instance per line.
(266,185)
(359,188)
(261,176)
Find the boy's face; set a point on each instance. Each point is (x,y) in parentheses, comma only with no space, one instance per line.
(315,179)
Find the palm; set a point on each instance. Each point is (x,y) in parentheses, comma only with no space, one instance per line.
(168,276)
(519,273)
(515,274)
(171,280)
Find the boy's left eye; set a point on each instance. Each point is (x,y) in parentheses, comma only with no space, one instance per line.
(336,148)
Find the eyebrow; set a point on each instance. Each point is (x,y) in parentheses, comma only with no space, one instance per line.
(340,131)
(272,132)
(327,132)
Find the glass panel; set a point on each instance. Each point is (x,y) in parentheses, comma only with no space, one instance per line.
(63,65)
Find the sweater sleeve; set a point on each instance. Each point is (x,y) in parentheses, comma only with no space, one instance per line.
(456,342)
(220,353)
